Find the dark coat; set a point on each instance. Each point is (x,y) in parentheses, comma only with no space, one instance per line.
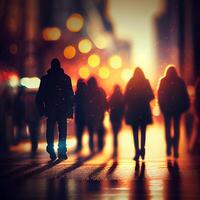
(19,109)
(55,94)
(96,105)
(80,105)
(173,97)
(116,105)
(137,98)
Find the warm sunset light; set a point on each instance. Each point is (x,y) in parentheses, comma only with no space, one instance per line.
(85,46)
(51,33)
(75,22)
(143,40)
(94,60)
(101,41)
(126,74)
(104,72)
(84,72)
(115,62)
(69,52)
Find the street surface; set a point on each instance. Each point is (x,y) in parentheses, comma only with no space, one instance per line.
(100,175)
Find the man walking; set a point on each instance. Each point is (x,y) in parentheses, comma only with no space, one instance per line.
(55,101)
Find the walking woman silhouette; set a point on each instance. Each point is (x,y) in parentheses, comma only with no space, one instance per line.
(138,95)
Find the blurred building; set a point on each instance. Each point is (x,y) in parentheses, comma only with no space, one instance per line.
(178,37)
(19,36)
(35,31)
(167,35)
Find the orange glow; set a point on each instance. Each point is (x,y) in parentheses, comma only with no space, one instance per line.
(75,22)
(51,34)
(85,46)
(94,60)
(104,72)
(115,61)
(13,80)
(69,52)
(126,74)
(13,49)
(84,72)
(156,110)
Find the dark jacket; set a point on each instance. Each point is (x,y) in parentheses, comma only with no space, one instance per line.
(116,105)
(137,98)
(31,112)
(80,105)
(173,97)
(55,94)
(96,105)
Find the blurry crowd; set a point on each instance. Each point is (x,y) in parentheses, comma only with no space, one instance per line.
(17,113)
(18,110)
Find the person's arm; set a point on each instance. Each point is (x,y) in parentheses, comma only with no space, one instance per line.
(39,100)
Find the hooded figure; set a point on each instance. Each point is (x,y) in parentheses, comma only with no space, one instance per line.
(173,99)
(55,101)
(138,95)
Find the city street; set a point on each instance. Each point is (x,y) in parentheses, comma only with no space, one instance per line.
(100,175)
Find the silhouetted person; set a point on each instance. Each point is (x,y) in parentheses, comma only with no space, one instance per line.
(6,112)
(102,104)
(197,108)
(173,100)
(138,95)
(32,119)
(96,106)
(80,111)
(116,106)
(19,113)
(55,100)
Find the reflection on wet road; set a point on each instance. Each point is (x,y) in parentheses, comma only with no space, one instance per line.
(102,176)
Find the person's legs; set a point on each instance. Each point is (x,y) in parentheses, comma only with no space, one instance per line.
(101,133)
(79,132)
(50,136)
(33,128)
(176,134)
(115,132)
(143,140)
(62,128)
(167,120)
(91,130)
(136,142)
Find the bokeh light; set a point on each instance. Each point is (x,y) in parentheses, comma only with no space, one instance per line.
(69,52)
(75,22)
(13,80)
(104,72)
(94,60)
(51,33)
(115,61)
(30,82)
(84,72)
(126,74)
(85,46)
